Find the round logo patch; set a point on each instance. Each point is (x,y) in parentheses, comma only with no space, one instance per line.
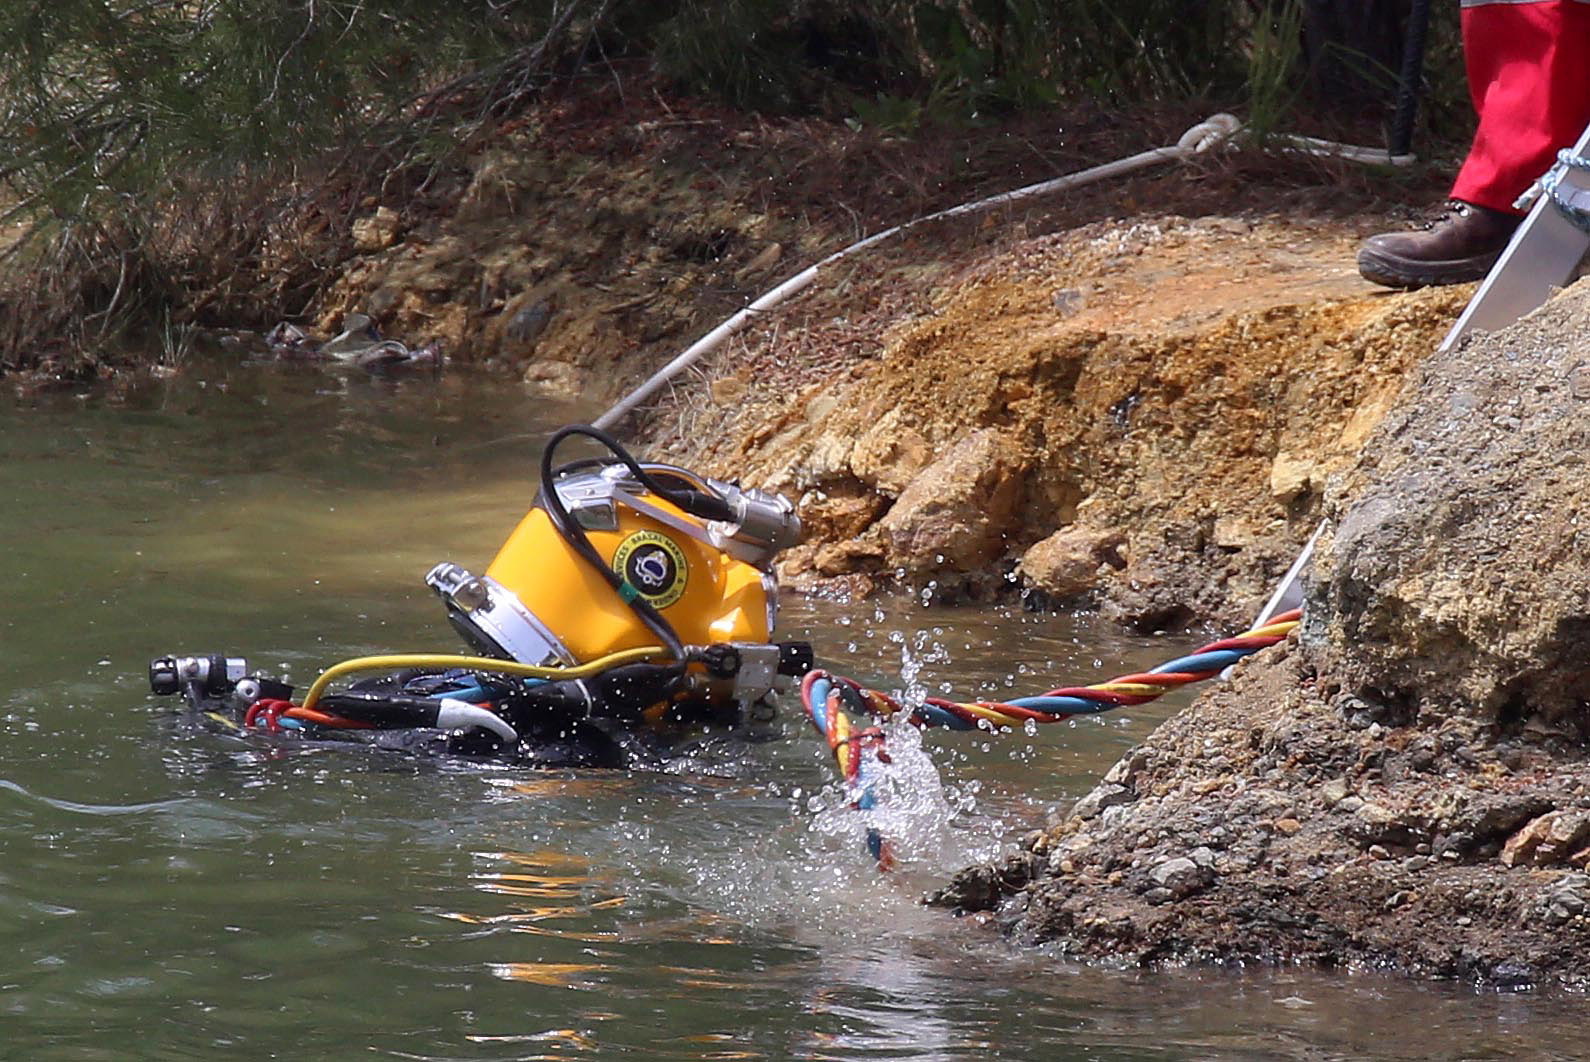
(654,565)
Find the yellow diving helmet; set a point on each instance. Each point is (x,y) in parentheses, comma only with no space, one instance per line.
(617,555)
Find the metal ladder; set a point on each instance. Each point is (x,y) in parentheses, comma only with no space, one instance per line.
(1545,250)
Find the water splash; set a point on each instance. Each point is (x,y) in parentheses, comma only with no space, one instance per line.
(932,827)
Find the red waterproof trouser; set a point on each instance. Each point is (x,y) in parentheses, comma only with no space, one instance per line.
(1529,75)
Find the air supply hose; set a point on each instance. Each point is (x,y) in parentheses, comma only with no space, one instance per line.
(859,752)
(355,713)
(1214,131)
(491,665)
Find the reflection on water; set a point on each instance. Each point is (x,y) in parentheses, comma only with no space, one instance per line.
(168,891)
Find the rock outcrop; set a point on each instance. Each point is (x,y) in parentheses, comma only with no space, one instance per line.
(1459,570)
(1406,783)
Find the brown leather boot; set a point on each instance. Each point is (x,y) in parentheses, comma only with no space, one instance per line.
(1461,245)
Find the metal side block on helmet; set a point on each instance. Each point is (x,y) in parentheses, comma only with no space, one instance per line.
(492,616)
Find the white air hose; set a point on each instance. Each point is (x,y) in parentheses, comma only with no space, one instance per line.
(1212,131)
(454,714)
(1313,145)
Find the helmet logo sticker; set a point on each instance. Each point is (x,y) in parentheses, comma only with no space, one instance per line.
(654,565)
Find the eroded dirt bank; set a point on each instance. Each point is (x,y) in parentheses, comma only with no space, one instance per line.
(1404,785)
(588,242)
(1141,414)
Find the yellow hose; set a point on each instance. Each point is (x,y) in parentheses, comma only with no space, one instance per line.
(475,663)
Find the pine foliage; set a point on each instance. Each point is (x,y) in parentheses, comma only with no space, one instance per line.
(160,160)
(145,142)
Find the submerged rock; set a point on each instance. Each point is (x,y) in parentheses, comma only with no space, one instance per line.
(358,346)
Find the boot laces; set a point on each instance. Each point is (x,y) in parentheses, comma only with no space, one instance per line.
(1451,210)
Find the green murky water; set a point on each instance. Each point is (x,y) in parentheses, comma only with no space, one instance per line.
(170,893)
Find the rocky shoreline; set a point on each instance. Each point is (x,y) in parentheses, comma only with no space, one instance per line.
(1404,785)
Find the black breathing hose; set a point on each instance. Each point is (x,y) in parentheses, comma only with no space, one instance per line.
(691,501)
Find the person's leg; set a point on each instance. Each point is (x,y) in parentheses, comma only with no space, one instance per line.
(1529,76)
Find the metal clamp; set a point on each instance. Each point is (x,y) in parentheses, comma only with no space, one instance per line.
(492,617)
(1572,201)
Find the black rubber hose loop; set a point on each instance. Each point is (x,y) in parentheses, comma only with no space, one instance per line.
(575,535)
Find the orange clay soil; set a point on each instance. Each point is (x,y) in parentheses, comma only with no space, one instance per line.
(1131,394)
(1141,412)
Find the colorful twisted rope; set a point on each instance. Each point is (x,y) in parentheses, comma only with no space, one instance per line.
(857,752)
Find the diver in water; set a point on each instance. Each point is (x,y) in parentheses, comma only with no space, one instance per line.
(632,606)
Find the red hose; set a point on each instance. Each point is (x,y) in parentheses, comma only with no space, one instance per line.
(336,722)
(272,710)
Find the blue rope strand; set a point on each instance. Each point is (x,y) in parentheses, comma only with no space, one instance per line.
(1213,661)
(1064,705)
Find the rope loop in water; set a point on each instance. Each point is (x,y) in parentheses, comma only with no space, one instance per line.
(859,752)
